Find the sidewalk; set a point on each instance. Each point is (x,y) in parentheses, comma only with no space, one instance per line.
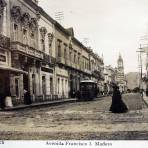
(57,102)
(49,103)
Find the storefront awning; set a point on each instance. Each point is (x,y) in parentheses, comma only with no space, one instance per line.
(11,69)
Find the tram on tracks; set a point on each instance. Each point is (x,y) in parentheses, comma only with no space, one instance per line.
(88,90)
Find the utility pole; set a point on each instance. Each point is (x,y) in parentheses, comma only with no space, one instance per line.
(140,51)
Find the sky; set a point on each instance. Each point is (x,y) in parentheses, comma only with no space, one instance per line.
(111,26)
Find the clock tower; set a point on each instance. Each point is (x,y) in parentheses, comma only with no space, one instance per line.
(120,64)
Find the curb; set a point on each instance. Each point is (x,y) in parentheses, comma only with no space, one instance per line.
(40,104)
(54,103)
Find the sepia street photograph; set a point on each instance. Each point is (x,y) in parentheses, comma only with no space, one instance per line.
(73,70)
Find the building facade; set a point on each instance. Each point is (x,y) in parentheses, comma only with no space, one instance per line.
(109,74)
(97,69)
(46,44)
(40,56)
(22,29)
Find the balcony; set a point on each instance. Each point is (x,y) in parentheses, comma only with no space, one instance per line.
(60,60)
(49,59)
(4,41)
(17,46)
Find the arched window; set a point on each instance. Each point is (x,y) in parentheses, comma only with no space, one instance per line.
(43,32)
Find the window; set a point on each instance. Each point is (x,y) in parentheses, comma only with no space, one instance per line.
(43,45)
(78,60)
(62,87)
(66,86)
(51,85)
(44,85)
(32,35)
(17,87)
(65,52)
(74,60)
(50,40)
(33,84)
(24,36)
(58,85)
(59,49)
(43,32)
(15,32)
(70,54)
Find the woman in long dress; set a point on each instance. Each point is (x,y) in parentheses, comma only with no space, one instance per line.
(117,106)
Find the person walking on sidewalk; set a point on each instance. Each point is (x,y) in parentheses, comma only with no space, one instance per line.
(117,106)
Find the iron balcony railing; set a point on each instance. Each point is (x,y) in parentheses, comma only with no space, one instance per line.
(49,59)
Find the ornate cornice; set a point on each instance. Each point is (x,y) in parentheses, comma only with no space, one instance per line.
(16,13)
(43,32)
(33,24)
(25,20)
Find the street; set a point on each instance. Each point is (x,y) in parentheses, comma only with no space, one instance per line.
(77,121)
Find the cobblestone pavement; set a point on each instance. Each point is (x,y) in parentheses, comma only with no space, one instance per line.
(80,120)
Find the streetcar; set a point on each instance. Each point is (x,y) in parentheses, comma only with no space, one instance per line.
(88,90)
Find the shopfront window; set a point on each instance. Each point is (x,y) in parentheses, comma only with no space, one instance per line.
(17,87)
(51,85)
(33,84)
(58,85)
(44,85)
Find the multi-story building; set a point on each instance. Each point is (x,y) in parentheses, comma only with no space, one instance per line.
(72,61)
(62,58)
(97,69)
(109,74)
(40,56)
(25,55)
(46,44)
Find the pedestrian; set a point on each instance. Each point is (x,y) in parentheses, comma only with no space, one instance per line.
(117,106)
(27,97)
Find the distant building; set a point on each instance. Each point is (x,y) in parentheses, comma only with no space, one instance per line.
(109,74)
(120,77)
